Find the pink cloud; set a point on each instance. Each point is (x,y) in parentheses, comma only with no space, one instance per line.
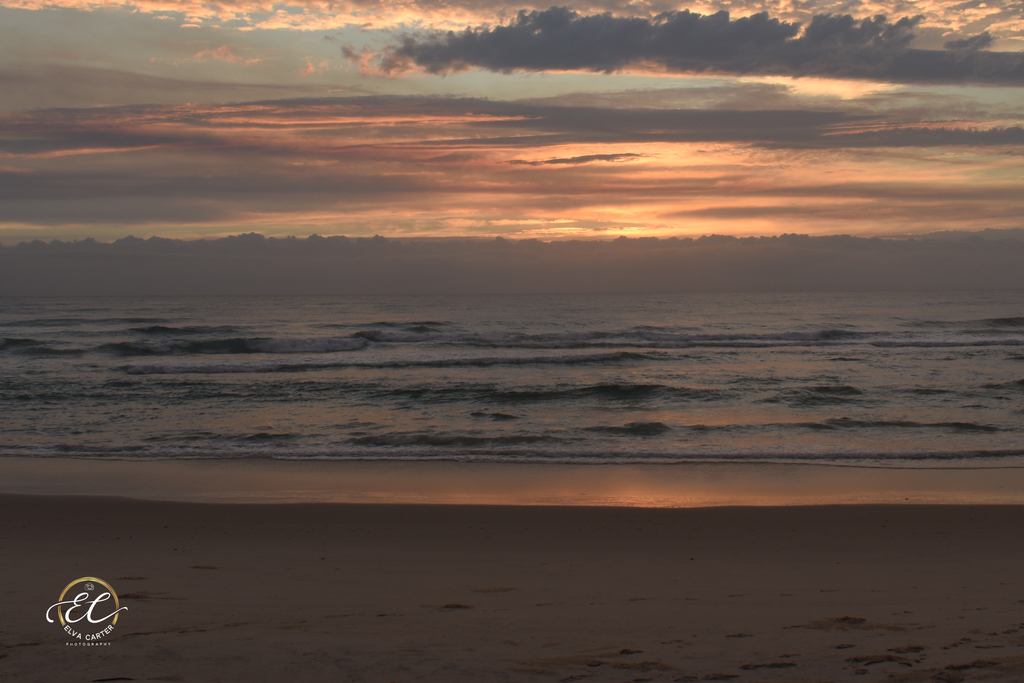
(224,54)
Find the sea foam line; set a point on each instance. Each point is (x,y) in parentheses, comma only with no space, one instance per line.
(963,459)
(223,367)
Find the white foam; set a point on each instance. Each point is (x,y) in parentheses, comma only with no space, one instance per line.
(294,345)
(291,365)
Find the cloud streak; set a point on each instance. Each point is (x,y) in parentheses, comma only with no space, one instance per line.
(449,166)
(576,161)
(71,85)
(336,128)
(834,46)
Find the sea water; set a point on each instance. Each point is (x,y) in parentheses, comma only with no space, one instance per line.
(897,379)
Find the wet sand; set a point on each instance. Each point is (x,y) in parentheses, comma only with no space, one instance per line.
(446,482)
(311,592)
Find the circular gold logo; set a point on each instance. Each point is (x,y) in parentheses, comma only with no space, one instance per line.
(88,609)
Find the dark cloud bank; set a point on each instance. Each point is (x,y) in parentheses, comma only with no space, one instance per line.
(252,264)
(836,46)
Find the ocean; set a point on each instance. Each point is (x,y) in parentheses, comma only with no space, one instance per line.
(884,379)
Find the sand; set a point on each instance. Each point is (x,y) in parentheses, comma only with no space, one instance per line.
(313,592)
(685,485)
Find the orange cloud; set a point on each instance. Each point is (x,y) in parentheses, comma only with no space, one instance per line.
(1000,17)
(224,54)
(441,166)
(311,69)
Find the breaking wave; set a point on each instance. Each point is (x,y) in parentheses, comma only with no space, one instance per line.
(646,337)
(526,450)
(219,367)
(235,345)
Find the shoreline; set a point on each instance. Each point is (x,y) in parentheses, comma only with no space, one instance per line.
(447,483)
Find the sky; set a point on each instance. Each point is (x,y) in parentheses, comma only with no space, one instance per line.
(425,118)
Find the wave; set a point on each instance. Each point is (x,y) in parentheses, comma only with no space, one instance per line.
(403,325)
(633,429)
(850,423)
(655,339)
(1003,322)
(61,322)
(291,345)
(224,367)
(8,343)
(38,349)
(186,330)
(1015,384)
(632,337)
(168,340)
(619,392)
(490,394)
(48,352)
(235,345)
(265,436)
(527,450)
(455,440)
(992,323)
(813,396)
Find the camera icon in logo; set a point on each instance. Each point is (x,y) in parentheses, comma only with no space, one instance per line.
(89,587)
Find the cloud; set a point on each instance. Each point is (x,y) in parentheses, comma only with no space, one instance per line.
(979,42)
(311,69)
(252,264)
(70,85)
(944,19)
(834,46)
(414,165)
(575,161)
(425,128)
(224,54)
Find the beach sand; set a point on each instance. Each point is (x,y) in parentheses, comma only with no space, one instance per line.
(363,592)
